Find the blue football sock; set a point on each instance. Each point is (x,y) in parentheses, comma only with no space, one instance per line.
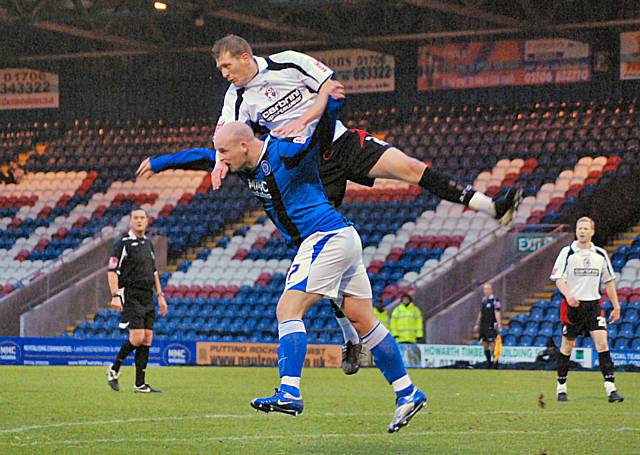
(291,354)
(388,358)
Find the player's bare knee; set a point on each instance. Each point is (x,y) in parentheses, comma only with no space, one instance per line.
(567,346)
(396,165)
(136,337)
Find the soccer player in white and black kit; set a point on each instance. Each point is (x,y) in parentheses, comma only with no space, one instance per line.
(489,322)
(279,93)
(578,272)
(132,277)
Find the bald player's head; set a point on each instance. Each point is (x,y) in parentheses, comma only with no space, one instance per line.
(234,142)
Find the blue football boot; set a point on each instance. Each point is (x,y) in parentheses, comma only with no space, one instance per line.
(406,408)
(279,402)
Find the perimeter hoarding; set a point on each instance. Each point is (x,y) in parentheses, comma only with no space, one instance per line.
(361,70)
(24,88)
(444,355)
(264,354)
(630,56)
(76,351)
(502,63)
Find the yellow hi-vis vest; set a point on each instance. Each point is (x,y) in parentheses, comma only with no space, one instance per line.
(382,316)
(406,323)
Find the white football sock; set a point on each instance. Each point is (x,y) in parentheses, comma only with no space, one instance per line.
(482,203)
(348,331)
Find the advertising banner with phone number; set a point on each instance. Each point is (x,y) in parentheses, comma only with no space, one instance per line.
(361,70)
(502,63)
(24,88)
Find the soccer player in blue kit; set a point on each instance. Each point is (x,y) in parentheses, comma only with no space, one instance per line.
(283,174)
(280,93)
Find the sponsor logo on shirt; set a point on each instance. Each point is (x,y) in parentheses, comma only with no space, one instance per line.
(586,272)
(259,188)
(282,106)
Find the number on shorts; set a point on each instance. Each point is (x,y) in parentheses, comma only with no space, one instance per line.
(602,322)
(294,269)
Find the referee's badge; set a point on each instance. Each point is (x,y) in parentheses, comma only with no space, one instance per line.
(266,167)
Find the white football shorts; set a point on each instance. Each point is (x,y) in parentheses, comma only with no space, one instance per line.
(330,264)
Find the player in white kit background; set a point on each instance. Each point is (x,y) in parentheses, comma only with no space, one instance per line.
(579,270)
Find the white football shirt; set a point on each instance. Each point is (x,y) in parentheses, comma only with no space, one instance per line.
(584,269)
(286,86)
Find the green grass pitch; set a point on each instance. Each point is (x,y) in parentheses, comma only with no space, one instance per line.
(206,410)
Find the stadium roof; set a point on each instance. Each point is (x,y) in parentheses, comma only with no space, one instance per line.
(60,29)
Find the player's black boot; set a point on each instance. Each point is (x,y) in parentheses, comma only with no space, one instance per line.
(614,397)
(351,357)
(144,388)
(112,378)
(507,204)
(562,396)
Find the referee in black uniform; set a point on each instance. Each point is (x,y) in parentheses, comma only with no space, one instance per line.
(578,272)
(132,277)
(489,322)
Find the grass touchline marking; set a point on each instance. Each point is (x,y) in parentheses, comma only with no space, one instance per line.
(26,428)
(316,436)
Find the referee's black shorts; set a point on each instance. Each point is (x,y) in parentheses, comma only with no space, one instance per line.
(351,158)
(583,319)
(488,334)
(138,309)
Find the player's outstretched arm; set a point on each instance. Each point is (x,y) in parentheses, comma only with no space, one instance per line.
(330,87)
(193,159)
(218,174)
(323,135)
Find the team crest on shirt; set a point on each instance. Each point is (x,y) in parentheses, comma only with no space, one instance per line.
(266,167)
(586,261)
(269,92)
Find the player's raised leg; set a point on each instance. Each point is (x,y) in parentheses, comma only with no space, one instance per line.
(387,356)
(394,164)
(352,346)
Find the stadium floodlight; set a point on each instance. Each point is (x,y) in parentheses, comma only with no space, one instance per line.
(160,6)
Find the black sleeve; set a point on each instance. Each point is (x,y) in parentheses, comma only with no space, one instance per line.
(116,253)
(153,255)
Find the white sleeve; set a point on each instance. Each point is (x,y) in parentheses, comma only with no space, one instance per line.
(313,73)
(229,113)
(607,269)
(559,268)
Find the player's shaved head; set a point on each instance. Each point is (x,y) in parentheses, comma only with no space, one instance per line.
(236,146)
(232,133)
